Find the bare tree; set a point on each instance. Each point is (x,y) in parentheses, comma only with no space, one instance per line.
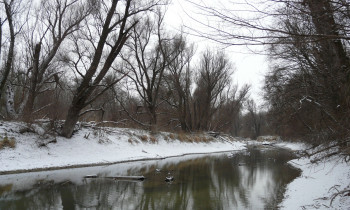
(309,80)
(11,9)
(113,23)
(255,118)
(213,77)
(56,21)
(178,81)
(150,54)
(227,119)
(308,42)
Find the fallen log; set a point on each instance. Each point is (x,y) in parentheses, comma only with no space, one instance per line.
(127,178)
(91,176)
(124,178)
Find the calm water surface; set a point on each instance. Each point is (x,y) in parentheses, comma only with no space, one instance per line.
(252,179)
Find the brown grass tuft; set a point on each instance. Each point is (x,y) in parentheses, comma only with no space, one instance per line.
(196,139)
(153,139)
(172,136)
(184,137)
(12,142)
(7,142)
(144,138)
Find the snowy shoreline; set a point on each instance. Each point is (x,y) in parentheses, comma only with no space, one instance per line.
(90,147)
(316,186)
(313,189)
(19,171)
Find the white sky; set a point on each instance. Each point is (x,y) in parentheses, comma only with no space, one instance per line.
(250,67)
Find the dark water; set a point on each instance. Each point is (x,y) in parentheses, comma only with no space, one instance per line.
(253,179)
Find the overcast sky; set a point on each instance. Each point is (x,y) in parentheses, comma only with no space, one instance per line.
(250,66)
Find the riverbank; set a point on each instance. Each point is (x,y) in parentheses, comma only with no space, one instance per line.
(36,150)
(320,185)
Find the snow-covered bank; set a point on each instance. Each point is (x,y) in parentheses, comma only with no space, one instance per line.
(98,146)
(317,185)
(38,151)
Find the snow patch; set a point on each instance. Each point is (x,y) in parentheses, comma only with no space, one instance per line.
(96,146)
(316,186)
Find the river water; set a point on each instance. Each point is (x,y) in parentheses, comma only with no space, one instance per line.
(250,179)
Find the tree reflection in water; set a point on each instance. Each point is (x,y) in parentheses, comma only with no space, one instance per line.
(254,179)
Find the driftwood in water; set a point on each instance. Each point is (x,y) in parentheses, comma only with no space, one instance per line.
(124,178)
(127,178)
(91,176)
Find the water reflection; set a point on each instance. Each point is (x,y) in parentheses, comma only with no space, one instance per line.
(254,179)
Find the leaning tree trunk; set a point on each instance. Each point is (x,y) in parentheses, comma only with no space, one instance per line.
(88,85)
(71,120)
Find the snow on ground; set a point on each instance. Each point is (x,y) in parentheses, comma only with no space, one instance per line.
(316,186)
(295,146)
(101,146)
(312,190)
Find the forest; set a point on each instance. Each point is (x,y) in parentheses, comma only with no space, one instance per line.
(117,64)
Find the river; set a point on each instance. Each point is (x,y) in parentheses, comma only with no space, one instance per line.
(251,179)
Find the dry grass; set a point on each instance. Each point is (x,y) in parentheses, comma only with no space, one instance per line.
(206,139)
(153,139)
(185,137)
(181,136)
(172,136)
(144,138)
(7,142)
(196,139)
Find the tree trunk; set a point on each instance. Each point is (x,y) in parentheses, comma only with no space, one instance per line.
(10,107)
(88,84)
(33,84)
(333,53)
(153,121)
(71,120)
(10,54)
